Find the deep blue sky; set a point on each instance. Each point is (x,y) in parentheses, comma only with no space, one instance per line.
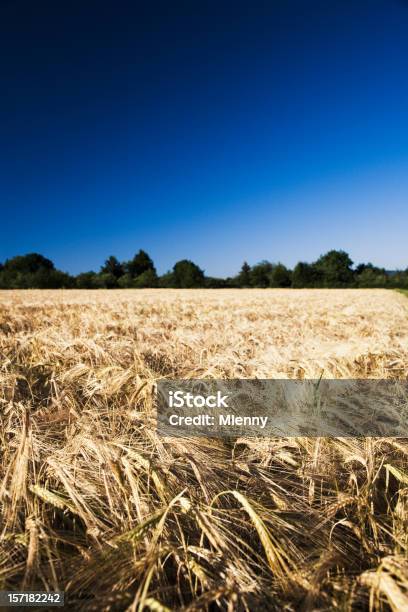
(216,131)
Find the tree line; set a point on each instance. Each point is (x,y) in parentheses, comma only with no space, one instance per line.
(333,269)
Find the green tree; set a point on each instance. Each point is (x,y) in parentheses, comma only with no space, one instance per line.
(280,276)
(140,263)
(212,282)
(87,280)
(399,279)
(148,278)
(335,267)
(367,275)
(244,276)
(107,280)
(306,275)
(28,264)
(166,281)
(32,271)
(187,275)
(125,281)
(51,279)
(112,266)
(260,275)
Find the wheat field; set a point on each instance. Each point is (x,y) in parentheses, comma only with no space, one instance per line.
(94,502)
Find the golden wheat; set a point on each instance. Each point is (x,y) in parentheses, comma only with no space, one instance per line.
(93,502)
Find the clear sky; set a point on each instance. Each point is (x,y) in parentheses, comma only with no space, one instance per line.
(214,131)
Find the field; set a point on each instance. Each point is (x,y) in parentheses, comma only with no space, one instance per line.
(93,502)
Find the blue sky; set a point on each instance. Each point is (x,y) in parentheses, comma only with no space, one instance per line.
(216,131)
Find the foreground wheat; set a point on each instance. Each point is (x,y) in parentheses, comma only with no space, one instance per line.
(94,502)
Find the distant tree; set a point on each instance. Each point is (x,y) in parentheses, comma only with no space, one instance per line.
(166,281)
(399,279)
(148,278)
(367,275)
(306,275)
(361,267)
(87,280)
(232,282)
(280,276)
(125,281)
(27,264)
(51,279)
(244,276)
(260,274)
(335,267)
(187,275)
(32,271)
(106,280)
(212,282)
(140,263)
(112,266)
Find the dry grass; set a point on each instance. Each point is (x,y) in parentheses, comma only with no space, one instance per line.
(93,502)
